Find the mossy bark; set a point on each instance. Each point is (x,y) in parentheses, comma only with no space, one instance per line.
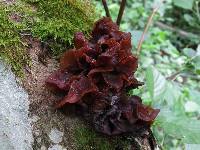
(53,22)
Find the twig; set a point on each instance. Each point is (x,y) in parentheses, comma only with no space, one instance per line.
(194,77)
(181,73)
(144,3)
(197,9)
(178,31)
(106,8)
(146,28)
(173,76)
(121,11)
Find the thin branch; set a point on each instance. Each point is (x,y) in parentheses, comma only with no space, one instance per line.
(182,33)
(173,76)
(121,11)
(146,28)
(144,3)
(106,8)
(197,9)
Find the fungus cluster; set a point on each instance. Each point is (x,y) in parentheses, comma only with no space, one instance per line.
(96,75)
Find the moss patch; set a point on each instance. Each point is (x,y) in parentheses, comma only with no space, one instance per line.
(53,22)
(58,20)
(12,49)
(88,139)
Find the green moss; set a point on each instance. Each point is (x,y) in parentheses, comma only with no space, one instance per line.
(58,20)
(88,139)
(12,49)
(52,21)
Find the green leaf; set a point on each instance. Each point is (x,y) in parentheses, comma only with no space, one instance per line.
(191,106)
(136,35)
(198,50)
(180,127)
(192,146)
(195,96)
(186,4)
(171,94)
(155,83)
(196,61)
(188,18)
(189,52)
(150,81)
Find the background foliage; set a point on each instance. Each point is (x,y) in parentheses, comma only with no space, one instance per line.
(169,65)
